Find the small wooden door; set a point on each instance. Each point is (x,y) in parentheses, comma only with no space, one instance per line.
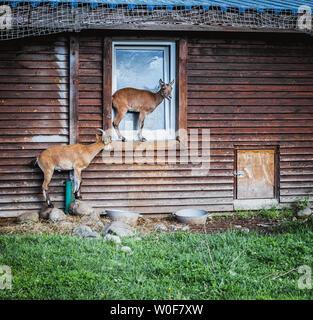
(255,174)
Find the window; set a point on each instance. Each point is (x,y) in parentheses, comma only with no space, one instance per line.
(140,65)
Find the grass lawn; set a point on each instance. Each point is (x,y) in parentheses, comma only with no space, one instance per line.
(161,266)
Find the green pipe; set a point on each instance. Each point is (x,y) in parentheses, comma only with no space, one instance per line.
(68,195)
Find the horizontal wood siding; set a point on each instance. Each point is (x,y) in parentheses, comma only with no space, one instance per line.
(90,88)
(33,116)
(256,92)
(147,188)
(247,91)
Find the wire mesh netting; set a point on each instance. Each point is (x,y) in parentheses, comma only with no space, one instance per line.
(23,19)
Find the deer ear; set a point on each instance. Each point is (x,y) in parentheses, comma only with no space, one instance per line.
(171,83)
(161,82)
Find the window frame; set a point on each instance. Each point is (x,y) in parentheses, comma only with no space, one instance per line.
(180,86)
(169,48)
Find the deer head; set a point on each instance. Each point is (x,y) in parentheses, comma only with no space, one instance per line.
(166,89)
(106,138)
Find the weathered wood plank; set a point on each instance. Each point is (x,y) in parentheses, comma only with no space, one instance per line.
(234,109)
(34,88)
(251,52)
(249,74)
(248,81)
(279,88)
(73,88)
(253,60)
(247,102)
(249,94)
(107,84)
(208,66)
(33,80)
(29,124)
(181,85)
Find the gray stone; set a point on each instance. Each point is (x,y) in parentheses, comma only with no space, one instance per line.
(80,208)
(44,212)
(57,215)
(85,232)
(126,249)
(185,228)
(118,228)
(160,227)
(172,227)
(245,229)
(94,235)
(28,217)
(112,238)
(305,213)
(94,215)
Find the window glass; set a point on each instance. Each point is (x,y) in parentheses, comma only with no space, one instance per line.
(141,66)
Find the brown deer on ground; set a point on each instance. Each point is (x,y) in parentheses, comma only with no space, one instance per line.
(136,100)
(74,157)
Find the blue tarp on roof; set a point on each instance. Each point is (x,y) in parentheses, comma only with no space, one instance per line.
(276,5)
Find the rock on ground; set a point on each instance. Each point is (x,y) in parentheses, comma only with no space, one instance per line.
(28,217)
(126,249)
(44,212)
(160,227)
(93,221)
(172,227)
(305,213)
(112,238)
(94,215)
(57,215)
(80,208)
(118,228)
(85,232)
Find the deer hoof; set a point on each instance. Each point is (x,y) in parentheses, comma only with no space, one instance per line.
(50,205)
(143,139)
(123,139)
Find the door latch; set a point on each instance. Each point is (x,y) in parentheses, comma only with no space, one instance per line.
(239,174)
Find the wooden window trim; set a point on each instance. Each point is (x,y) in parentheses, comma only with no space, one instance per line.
(107,83)
(180,87)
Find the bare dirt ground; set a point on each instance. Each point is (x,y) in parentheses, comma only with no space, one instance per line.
(145,225)
(214,225)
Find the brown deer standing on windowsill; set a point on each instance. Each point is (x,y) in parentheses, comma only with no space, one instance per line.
(136,100)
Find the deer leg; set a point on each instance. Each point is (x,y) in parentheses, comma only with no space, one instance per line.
(141,122)
(72,178)
(47,178)
(77,183)
(117,120)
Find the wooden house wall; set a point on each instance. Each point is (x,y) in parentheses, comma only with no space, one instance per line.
(33,116)
(247,91)
(148,188)
(256,92)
